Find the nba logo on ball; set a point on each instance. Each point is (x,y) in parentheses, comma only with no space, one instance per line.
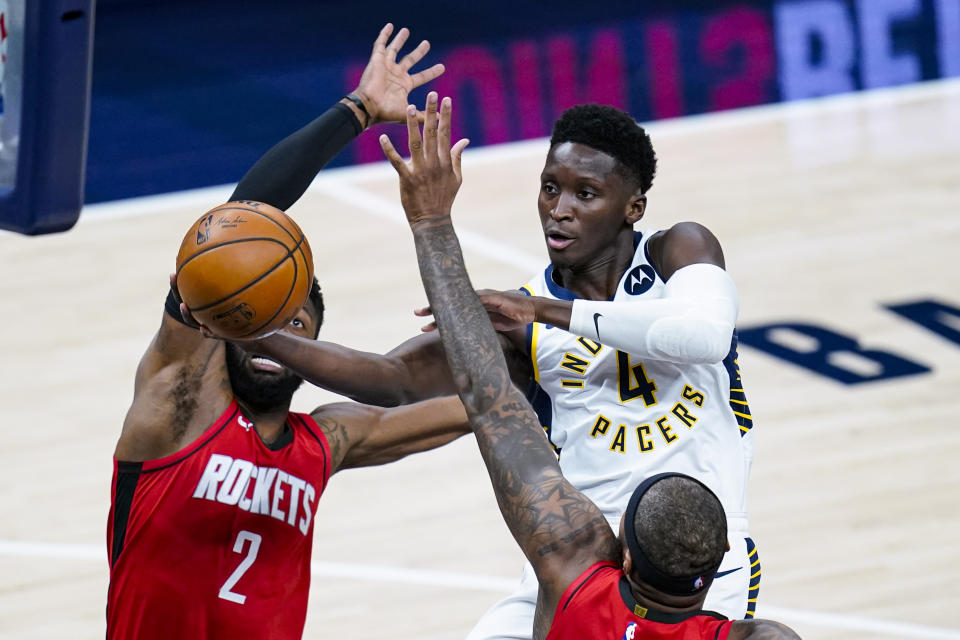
(244,269)
(630,632)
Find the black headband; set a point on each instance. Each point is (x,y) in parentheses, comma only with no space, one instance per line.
(673,585)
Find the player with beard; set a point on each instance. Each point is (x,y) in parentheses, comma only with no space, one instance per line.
(625,344)
(215,481)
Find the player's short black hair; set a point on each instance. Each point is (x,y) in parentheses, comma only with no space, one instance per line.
(316,299)
(681,527)
(613,132)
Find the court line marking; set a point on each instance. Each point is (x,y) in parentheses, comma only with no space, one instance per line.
(856,623)
(338,183)
(390,209)
(501,585)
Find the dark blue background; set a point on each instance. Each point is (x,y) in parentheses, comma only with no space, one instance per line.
(189,93)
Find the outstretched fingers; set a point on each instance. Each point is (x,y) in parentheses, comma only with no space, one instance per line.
(430,129)
(398,41)
(456,154)
(392,155)
(427,75)
(413,136)
(381,42)
(412,58)
(443,132)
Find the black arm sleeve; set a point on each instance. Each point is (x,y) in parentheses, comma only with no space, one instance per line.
(284,172)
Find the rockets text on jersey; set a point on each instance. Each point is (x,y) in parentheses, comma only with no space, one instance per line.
(229,480)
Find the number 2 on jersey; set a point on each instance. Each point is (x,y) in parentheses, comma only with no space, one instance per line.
(254,540)
(627,374)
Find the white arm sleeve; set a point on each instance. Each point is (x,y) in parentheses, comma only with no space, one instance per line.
(692,323)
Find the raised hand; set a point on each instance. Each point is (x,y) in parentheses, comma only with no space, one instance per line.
(430,181)
(386,82)
(188,318)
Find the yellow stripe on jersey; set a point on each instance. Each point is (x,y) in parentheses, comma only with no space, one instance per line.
(743,415)
(534,333)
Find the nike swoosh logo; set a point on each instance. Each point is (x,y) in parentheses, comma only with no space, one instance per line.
(720,574)
(596,325)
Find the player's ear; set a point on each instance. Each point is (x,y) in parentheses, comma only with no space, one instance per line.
(626,560)
(636,207)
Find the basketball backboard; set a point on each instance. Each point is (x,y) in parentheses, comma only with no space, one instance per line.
(45,57)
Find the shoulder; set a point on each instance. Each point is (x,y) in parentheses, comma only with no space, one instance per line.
(593,590)
(337,423)
(761,630)
(683,244)
(594,579)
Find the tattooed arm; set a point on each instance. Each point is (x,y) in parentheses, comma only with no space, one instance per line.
(560,531)
(364,436)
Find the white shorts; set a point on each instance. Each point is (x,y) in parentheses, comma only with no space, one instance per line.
(733,594)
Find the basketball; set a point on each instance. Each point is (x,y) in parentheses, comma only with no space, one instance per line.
(244,269)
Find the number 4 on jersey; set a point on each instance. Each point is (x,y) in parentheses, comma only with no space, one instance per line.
(632,381)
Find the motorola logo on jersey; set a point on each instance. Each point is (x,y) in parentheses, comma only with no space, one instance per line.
(639,280)
(274,493)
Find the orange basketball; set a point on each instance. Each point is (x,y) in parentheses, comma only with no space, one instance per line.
(244,269)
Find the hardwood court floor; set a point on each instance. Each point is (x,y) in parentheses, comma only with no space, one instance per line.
(825,210)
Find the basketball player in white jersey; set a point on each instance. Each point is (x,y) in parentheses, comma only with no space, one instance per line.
(626,342)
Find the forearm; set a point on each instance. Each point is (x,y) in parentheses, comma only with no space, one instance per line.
(402,431)
(523,470)
(473,352)
(369,378)
(691,324)
(412,372)
(284,172)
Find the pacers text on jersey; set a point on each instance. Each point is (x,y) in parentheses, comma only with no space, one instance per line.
(257,490)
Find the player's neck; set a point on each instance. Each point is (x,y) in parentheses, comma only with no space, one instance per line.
(598,277)
(269,425)
(651,598)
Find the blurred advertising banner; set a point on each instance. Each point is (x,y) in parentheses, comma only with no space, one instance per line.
(190,93)
(705,56)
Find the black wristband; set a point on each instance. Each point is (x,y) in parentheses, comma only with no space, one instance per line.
(172,307)
(357,101)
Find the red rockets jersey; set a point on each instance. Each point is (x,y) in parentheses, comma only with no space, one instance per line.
(599,604)
(214,541)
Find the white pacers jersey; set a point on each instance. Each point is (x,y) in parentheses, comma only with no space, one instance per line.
(616,419)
